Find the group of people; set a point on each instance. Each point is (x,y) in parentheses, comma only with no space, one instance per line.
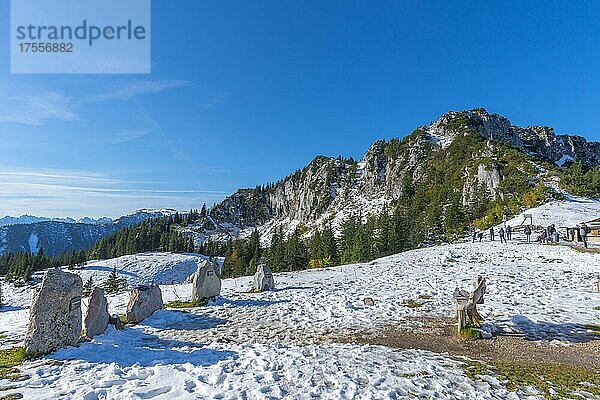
(579,233)
(503,234)
(547,235)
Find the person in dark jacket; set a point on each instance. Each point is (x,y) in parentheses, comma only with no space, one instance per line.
(583,231)
(501,234)
(527,232)
(492,233)
(508,232)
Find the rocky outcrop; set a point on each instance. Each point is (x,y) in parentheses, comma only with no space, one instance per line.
(206,283)
(263,279)
(330,189)
(97,317)
(541,141)
(144,301)
(55,313)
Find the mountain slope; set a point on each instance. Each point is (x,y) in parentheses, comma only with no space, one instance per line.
(467,166)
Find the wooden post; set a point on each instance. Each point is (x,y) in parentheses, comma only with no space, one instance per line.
(466,304)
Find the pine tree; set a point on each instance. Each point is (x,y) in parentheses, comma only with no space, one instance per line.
(114,283)
(87,287)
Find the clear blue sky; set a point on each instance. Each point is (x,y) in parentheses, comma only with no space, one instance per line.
(242,93)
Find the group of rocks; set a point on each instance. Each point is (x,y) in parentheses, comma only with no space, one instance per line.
(55,318)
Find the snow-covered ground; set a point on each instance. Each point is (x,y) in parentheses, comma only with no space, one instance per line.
(282,344)
(145,268)
(563,213)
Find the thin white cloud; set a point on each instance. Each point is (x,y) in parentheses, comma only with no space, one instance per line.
(60,193)
(134,89)
(215,100)
(129,135)
(36,110)
(39,108)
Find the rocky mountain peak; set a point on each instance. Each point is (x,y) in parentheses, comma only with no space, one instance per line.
(541,141)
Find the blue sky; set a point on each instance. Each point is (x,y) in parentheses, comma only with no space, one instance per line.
(242,93)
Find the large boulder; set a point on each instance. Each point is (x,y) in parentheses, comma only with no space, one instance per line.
(97,317)
(143,302)
(206,283)
(55,313)
(263,279)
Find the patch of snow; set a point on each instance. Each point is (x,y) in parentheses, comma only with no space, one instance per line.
(564,159)
(33,243)
(145,268)
(563,213)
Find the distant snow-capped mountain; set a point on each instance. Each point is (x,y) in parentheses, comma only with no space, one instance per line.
(57,235)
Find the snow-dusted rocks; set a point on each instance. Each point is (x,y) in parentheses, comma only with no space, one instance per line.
(97,317)
(206,283)
(263,279)
(144,301)
(55,314)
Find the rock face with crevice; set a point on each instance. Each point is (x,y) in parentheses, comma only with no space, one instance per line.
(97,316)
(55,313)
(144,301)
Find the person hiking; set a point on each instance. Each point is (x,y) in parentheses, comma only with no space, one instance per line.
(583,231)
(501,234)
(549,233)
(527,232)
(492,233)
(508,233)
(480,236)
(474,234)
(543,236)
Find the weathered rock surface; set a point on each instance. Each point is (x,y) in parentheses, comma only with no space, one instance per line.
(96,317)
(263,279)
(144,301)
(206,283)
(55,313)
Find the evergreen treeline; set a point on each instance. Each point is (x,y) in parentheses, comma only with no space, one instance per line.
(581,181)
(359,241)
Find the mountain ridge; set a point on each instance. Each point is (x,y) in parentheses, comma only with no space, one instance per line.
(59,236)
(485,157)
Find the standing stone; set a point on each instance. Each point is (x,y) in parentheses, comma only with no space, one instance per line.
(55,313)
(263,279)
(96,318)
(143,302)
(206,283)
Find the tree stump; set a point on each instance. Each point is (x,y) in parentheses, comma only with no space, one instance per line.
(466,305)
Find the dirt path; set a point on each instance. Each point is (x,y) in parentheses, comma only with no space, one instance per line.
(439,335)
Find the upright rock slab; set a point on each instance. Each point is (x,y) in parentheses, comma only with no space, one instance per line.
(96,317)
(206,283)
(263,279)
(143,302)
(55,313)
